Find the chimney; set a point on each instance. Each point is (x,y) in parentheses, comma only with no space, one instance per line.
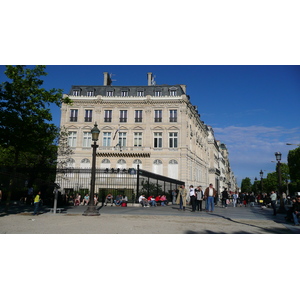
(107,79)
(150,77)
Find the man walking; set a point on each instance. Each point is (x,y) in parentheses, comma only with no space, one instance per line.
(210,194)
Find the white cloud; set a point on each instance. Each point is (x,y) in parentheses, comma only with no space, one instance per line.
(252,148)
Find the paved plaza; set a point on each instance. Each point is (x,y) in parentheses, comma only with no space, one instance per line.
(138,220)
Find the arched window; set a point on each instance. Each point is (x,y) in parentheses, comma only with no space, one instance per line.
(105,163)
(85,164)
(71,163)
(173,169)
(137,162)
(157,167)
(121,164)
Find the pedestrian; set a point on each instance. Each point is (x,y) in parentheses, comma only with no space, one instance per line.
(235,198)
(174,194)
(181,197)
(192,198)
(224,197)
(210,194)
(36,203)
(273,198)
(252,199)
(199,198)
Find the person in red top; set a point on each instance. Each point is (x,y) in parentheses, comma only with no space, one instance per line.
(157,199)
(152,201)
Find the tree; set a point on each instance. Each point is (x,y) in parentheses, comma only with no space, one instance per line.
(294,168)
(25,116)
(246,185)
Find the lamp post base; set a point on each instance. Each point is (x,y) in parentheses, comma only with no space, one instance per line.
(91,211)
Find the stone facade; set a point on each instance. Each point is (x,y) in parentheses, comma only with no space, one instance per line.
(155,126)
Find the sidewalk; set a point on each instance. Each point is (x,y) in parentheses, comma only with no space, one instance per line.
(136,219)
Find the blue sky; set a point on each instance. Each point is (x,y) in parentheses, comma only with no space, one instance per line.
(254,110)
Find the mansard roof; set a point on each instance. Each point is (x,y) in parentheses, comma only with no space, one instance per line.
(131,90)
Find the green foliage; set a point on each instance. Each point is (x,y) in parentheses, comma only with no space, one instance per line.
(246,185)
(294,164)
(26,134)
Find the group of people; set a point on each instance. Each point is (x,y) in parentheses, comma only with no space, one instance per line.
(153,201)
(117,201)
(197,196)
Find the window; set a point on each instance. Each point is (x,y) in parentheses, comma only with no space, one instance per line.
(137,162)
(157,93)
(140,93)
(76,93)
(157,115)
(88,115)
(138,116)
(109,93)
(87,139)
(173,115)
(173,169)
(124,93)
(90,93)
(157,166)
(173,93)
(173,140)
(107,115)
(137,139)
(157,139)
(106,139)
(72,138)
(85,164)
(123,116)
(73,115)
(122,139)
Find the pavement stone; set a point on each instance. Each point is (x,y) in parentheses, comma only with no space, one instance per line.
(136,219)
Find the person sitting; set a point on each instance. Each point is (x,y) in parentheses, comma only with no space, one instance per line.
(143,201)
(86,199)
(95,199)
(164,201)
(152,201)
(77,200)
(110,198)
(157,199)
(124,200)
(118,201)
(296,210)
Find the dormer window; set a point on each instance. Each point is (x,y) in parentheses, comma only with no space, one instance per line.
(90,93)
(109,93)
(124,93)
(76,93)
(173,91)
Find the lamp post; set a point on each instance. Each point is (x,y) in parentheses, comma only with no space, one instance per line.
(278,158)
(92,209)
(261,173)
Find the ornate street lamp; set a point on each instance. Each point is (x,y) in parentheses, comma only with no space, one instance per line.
(261,173)
(278,158)
(92,209)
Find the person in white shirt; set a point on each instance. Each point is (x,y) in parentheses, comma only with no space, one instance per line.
(273,202)
(143,201)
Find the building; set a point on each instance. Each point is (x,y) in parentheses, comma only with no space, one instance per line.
(153,126)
